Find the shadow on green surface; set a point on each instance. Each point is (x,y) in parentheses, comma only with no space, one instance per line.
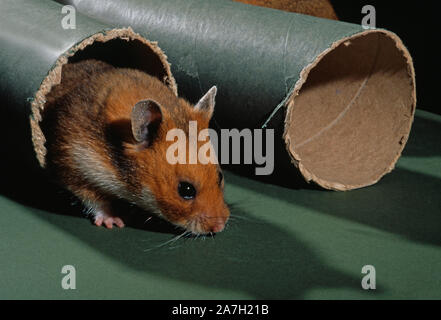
(404,202)
(425,138)
(253,257)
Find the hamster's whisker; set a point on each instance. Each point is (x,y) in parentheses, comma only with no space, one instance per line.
(147,220)
(235,216)
(174,239)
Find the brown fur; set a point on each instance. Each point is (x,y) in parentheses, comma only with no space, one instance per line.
(317,8)
(92,152)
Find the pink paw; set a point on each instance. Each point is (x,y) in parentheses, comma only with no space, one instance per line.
(107,220)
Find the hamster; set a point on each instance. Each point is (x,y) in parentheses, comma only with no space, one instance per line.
(316,8)
(105,130)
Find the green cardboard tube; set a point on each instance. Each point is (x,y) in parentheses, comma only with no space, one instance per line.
(34,47)
(342,97)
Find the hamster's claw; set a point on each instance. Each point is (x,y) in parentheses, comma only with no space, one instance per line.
(107,220)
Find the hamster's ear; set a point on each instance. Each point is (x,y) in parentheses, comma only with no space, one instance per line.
(146,118)
(206,104)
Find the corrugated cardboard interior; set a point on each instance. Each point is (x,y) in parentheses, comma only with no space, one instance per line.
(349,120)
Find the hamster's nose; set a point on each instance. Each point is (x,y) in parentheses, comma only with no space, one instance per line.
(215,225)
(218,227)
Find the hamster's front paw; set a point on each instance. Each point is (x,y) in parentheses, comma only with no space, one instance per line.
(102,217)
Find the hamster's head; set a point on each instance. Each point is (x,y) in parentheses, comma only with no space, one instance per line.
(176,167)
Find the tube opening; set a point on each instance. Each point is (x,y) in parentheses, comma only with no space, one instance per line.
(125,54)
(350,115)
(117,47)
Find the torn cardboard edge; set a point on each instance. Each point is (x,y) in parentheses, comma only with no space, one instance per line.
(54,77)
(349,115)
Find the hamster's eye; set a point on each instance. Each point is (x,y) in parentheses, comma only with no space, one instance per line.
(186,190)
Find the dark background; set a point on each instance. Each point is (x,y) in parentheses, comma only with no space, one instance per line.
(416,24)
